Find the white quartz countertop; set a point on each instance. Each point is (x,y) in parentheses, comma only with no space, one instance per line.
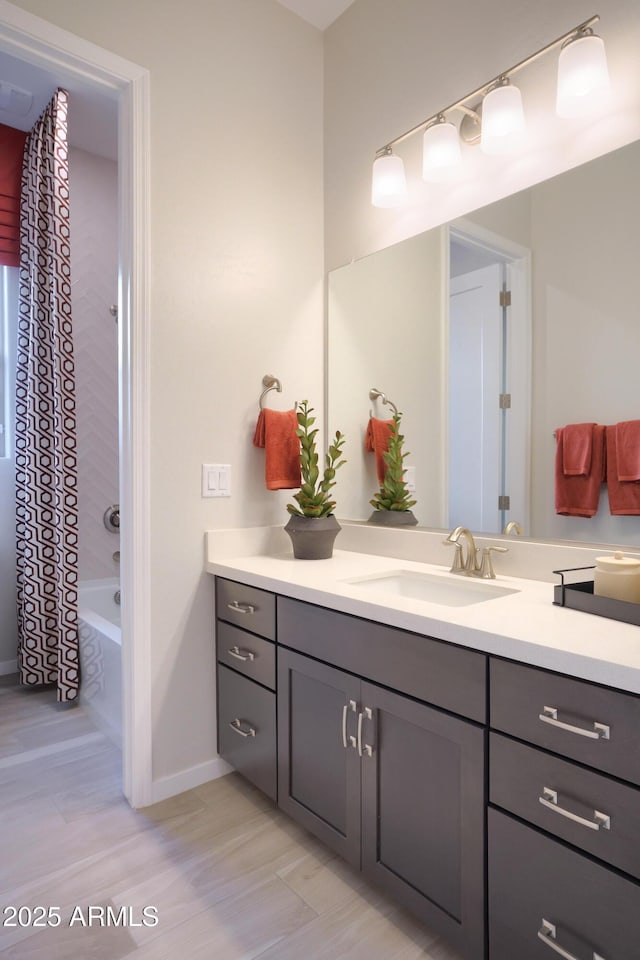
(523,626)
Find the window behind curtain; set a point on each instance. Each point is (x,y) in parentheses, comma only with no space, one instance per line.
(8,325)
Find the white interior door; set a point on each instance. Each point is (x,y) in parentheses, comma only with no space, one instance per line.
(475,377)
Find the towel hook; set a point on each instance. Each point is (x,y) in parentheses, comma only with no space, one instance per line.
(375,394)
(269,382)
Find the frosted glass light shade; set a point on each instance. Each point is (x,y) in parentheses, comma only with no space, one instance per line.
(441,156)
(502,120)
(583,76)
(388,182)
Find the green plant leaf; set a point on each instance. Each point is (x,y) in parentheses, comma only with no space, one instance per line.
(313,496)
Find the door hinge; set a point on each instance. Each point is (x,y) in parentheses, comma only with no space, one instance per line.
(505,298)
(505,401)
(504,503)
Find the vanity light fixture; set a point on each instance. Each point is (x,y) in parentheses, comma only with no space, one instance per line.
(496,117)
(502,118)
(441,154)
(389,183)
(583,75)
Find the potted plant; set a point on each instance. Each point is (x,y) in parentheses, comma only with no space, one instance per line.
(392,503)
(312,525)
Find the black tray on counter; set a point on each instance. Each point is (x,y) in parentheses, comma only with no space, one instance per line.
(580,596)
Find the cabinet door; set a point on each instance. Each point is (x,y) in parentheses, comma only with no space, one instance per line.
(318,776)
(423,813)
(547,900)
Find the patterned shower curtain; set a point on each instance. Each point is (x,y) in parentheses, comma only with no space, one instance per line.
(46,461)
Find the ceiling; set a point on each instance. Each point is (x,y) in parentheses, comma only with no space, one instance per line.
(93,115)
(320,13)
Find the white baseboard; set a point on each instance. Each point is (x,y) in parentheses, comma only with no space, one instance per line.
(170,786)
(8,666)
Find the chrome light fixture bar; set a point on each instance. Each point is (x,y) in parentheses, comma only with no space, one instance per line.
(582,73)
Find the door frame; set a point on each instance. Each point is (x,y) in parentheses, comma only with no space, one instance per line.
(38,42)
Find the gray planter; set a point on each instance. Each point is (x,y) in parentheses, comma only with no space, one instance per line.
(312,537)
(393,518)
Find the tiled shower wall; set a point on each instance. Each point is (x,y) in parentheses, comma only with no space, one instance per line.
(94,284)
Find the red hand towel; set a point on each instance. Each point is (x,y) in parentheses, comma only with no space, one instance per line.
(624,496)
(376,439)
(276,432)
(577,449)
(628,450)
(578,496)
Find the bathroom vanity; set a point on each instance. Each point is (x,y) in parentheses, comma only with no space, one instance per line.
(496,796)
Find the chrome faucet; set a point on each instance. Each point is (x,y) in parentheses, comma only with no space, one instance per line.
(512,527)
(468,565)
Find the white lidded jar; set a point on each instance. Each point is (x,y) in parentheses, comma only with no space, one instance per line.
(618,577)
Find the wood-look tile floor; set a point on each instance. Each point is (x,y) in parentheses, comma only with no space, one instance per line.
(230,877)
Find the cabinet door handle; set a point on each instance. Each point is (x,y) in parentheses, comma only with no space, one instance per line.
(236,726)
(600,730)
(348,706)
(549,799)
(547,933)
(239,654)
(238,607)
(367,748)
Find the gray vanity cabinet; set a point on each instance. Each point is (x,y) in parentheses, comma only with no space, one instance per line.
(423,813)
(546,898)
(393,785)
(246,655)
(376,740)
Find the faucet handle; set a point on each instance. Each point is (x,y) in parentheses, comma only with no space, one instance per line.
(457,565)
(486,571)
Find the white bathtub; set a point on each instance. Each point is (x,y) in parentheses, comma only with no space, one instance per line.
(101,655)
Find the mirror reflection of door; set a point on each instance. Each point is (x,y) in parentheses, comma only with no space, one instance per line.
(475,374)
(488,383)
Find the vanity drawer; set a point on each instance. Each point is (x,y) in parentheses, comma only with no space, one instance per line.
(247,607)
(518,777)
(421,667)
(247,729)
(246,653)
(533,879)
(519,696)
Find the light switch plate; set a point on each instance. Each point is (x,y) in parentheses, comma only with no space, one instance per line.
(216,479)
(410,479)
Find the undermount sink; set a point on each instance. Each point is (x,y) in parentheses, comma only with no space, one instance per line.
(450,591)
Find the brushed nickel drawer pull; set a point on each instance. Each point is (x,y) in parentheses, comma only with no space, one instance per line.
(239,654)
(236,726)
(238,607)
(353,707)
(547,933)
(600,730)
(549,799)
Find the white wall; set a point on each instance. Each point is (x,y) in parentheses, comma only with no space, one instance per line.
(390,65)
(8,617)
(385,331)
(94,287)
(587,324)
(237,266)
